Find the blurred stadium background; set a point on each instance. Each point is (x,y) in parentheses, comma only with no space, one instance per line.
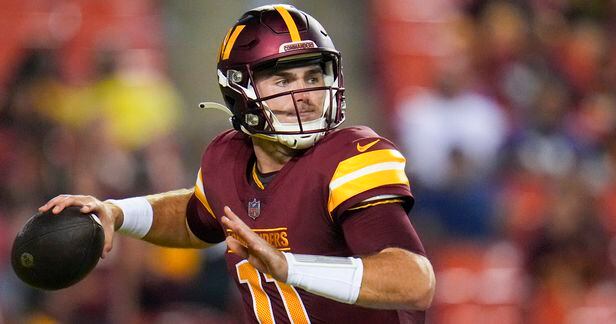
(506,111)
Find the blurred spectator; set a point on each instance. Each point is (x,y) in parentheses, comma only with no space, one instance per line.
(24,169)
(438,122)
(604,179)
(451,136)
(137,103)
(549,181)
(568,255)
(108,138)
(593,121)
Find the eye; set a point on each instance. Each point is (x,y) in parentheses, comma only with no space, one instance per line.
(281,82)
(316,79)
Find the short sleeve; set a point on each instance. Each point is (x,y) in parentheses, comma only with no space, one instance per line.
(386,225)
(201,220)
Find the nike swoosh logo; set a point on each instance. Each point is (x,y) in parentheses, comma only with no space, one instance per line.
(367,146)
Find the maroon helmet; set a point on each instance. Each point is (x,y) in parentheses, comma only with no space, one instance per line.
(274,38)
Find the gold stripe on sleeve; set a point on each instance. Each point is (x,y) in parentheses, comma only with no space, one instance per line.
(201,195)
(364,183)
(381,202)
(366,159)
(366,171)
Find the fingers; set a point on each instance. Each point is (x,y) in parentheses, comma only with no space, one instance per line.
(237,247)
(60,202)
(252,247)
(52,203)
(232,216)
(108,245)
(88,204)
(233,222)
(109,230)
(87,208)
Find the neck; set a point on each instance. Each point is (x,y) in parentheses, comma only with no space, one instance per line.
(271,156)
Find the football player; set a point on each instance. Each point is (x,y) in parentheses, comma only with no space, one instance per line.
(314,217)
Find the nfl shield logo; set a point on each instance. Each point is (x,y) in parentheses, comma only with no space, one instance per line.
(254,208)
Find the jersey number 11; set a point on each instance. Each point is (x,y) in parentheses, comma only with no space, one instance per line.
(261,303)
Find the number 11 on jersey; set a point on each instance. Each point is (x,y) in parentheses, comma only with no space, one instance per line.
(261,304)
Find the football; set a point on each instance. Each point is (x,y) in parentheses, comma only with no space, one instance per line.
(56,251)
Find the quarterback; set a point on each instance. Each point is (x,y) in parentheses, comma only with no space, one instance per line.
(314,216)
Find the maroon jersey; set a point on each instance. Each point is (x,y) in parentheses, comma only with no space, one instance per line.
(307,208)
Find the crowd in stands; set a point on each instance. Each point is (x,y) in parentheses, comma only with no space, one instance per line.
(111,137)
(512,153)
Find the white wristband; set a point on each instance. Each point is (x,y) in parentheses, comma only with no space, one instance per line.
(138,216)
(337,278)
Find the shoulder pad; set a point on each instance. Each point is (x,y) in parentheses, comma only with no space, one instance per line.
(363,161)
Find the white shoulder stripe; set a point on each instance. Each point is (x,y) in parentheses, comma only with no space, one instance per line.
(365,171)
(381,197)
(199,183)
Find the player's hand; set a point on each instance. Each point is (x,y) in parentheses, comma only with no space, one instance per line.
(104,211)
(256,250)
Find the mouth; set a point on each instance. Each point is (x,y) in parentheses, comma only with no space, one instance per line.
(290,116)
(307,115)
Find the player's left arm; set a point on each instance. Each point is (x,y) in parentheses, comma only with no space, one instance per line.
(393,278)
(369,196)
(396,278)
(397,273)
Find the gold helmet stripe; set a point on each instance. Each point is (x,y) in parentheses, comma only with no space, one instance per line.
(223,44)
(229,46)
(290,23)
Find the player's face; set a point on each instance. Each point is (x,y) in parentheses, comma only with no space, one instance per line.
(309,103)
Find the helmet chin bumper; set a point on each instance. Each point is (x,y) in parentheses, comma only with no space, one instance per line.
(296,142)
(290,134)
(300,141)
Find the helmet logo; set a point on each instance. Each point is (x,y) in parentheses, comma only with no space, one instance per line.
(294,46)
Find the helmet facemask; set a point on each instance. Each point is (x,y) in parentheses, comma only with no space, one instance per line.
(294,116)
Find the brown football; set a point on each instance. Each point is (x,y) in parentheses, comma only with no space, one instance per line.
(56,251)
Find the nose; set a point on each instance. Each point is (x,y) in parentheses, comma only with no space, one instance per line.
(301,96)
